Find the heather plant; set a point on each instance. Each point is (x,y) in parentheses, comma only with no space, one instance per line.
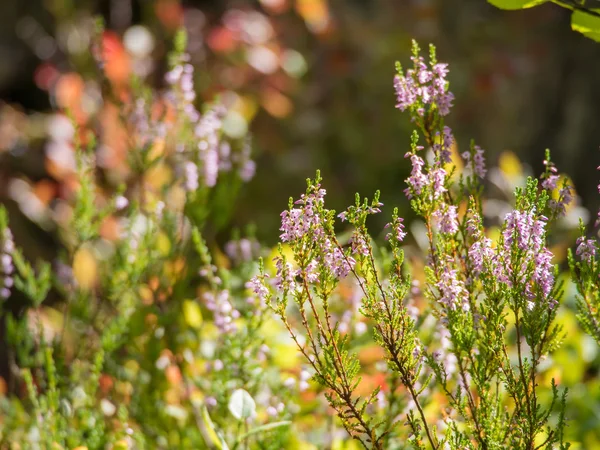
(146,333)
(472,350)
(586,276)
(154,343)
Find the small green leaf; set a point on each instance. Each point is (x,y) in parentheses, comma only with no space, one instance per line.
(516,4)
(586,24)
(263,428)
(241,404)
(209,432)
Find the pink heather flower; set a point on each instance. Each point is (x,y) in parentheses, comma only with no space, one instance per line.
(420,86)
(359,245)
(417,180)
(550,182)
(543,273)
(121,202)
(285,279)
(312,272)
(224,156)
(191,176)
(398,230)
(211,167)
(297,222)
(565,197)
(336,261)
(437,178)
(480,253)
(406,92)
(478,163)
(182,93)
(6,263)
(528,232)
(586,249)
(443,149)
(447,218)
(223,311)
(242,250)
(248,170)
(452,290)
(474,224)
(550,178)
(306,220)
(258,287)
(444,103)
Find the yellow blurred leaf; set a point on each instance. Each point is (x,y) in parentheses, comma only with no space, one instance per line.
(344,444)
(85,268)
(285,355)
(510,165)
(192,314)
(246,106)
(163,244)
(121,445)
(158,176)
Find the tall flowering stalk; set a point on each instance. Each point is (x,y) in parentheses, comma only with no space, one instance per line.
(585,271)
(493,302)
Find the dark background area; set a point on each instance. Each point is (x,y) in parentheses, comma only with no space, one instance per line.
(523,82)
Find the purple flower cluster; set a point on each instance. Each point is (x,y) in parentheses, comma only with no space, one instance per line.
(257,285)
(183,94)
(211,154)
(222,309)
(208,131)
(524,251)
(480,252)
(565,197)
(446,217)
(550,183)
(7,247)
(359,245)
(452,289)
(522,259)
(242,250)
(297,222)
(443,148)
(478,163)
(550,178)
(422,86)
(398,232)
(586,249)
(307,220)
(285,279)
(418,181)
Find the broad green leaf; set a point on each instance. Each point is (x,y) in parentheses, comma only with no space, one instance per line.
(586,24)
(241,404)
(516,4)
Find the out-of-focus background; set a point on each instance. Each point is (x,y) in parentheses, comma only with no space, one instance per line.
(312,81)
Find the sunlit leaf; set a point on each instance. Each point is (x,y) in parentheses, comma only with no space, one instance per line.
(192,314)
(587,24)
(85,268)
(516,4)
(211,433)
